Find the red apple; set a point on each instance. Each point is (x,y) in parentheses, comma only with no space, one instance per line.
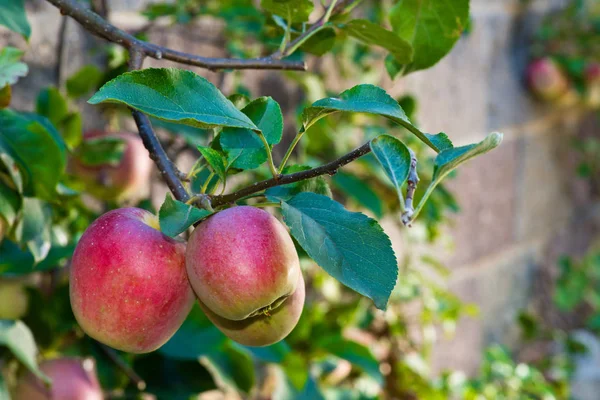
(72,379)
(126,181)
(546,80)
(267,328)
(128,283)
(242,261)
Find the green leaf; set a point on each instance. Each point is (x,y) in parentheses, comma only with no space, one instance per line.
(14,260)
(84,81)
(175,217)
(13,16)
(316,185)
(173,95)
(101,150)
(196,337)
(593,322)
(37,148)
(10,203)
(395,159)
(244,148)
(392,66)
(72,129)
(351,247)
(231,368)
(321,42)
(360,191)
(34,229)
(18,338)
(432,27)
(274,353)
(372,100)
(292,10)
(52,105)
(448,160)
(11,69)
(356,353)
(215,160)
(373,34)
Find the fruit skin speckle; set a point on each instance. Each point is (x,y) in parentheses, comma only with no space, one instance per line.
(128,284)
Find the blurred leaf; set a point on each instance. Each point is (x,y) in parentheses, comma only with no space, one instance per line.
(34,229)
(430,26)
(285,390)
(107,150)
(350,246)
(52,105)
(293,10)
(372,100)
(392,66)
(196,337)
(231,368)
(215,160)
(18,338)
(38,149)
(14,260)
(374,35)
(357,189)
(175,216)
(173,95)
(316,185)
(593,322)
(72,129)
(274,353)
(395,159)
(84,81)
(321,42)
(244,148)
(11,69)
(10,203)
(13,16)
(239,100)
(359,355)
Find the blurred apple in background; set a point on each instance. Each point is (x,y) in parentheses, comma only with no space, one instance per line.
(72,379)
(126,179)
(546,79)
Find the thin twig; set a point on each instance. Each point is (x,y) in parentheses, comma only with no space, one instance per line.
(412,181)
(326,169)
(100,27)
(59,51)
(123,366)
(166,167)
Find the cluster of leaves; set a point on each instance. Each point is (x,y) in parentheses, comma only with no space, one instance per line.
(293,25)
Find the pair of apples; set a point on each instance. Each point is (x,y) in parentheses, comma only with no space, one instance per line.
(131,286)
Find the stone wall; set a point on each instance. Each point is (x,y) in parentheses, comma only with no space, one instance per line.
(521,205)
